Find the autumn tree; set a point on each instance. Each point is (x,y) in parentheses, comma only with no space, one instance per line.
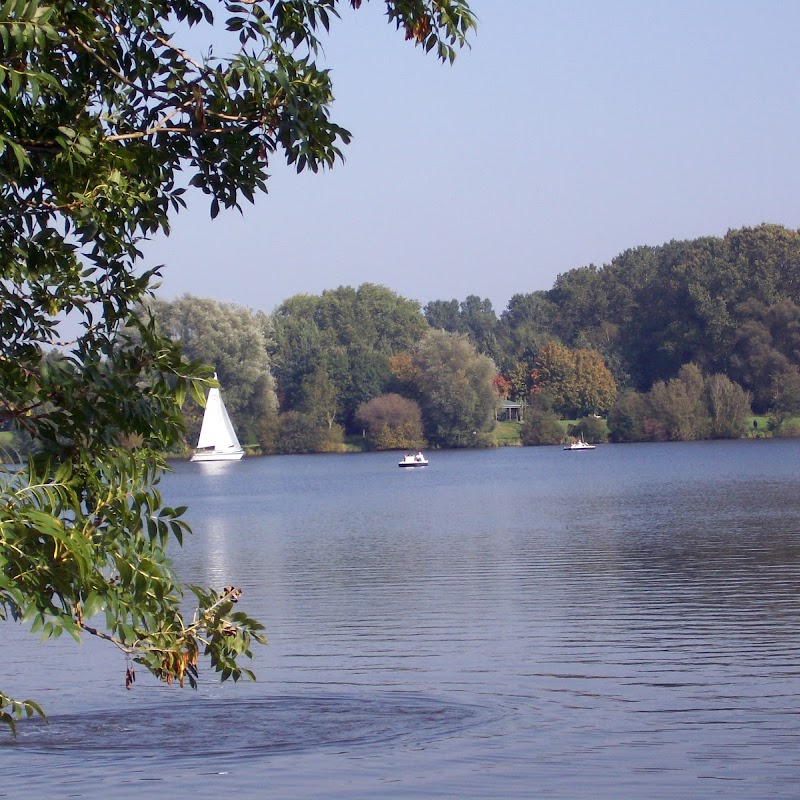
(554,373)
(502,386)
(519,376)
(595,387)
(111,111)
(576,381)
(391,422)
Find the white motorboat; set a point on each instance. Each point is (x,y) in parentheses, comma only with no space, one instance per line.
(580,444)
(413,460)
(218,440)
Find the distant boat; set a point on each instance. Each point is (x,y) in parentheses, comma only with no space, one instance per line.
(217,440)
(413,460)
(581,444)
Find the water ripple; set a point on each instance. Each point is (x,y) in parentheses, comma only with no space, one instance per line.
(255,727)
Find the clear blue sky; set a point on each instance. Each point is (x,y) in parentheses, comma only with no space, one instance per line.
(570,132)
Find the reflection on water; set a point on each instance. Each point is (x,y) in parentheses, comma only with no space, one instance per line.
(615,624)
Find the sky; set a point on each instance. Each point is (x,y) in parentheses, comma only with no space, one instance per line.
(570,131)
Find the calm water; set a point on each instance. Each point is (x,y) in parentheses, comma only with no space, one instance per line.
(518,623)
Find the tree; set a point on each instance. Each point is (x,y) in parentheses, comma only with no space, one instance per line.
(473,316)
(690,406)
(541,426)
(444,315)
(519,376)
(785,406)
(728,406)
(320,397)
(351,334)
(480,322)
(455,389)
(233,340)
(580,297)
(300,433)
(391,422)
(554,373)
(595,387)
(676,409)
(654,309)
(577,381)
(527,323)
(592,429)
(104,108)
(626,418)
(766,347)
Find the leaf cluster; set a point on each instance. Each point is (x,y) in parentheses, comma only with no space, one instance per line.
(110,110)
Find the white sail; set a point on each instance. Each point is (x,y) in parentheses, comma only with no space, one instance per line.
(218,440)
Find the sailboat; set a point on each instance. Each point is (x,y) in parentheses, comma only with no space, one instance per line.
(217,440)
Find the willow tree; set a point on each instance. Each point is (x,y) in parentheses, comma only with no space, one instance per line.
(109,111)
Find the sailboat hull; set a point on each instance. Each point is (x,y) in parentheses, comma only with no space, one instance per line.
(212,456)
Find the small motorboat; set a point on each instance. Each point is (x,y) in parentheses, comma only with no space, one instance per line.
(580,444)
(413,460)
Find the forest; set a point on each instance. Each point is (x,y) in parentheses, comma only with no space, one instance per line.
(687,340)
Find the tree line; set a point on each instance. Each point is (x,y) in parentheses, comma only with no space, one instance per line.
(351,362)
(680,341)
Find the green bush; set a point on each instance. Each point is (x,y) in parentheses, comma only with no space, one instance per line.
(593,429)
(541,427)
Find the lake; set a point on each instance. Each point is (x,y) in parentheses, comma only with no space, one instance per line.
(512,623)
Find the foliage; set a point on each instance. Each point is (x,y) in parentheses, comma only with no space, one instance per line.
(502,386)
(728,406)
(349,333)
(725,304)
(109,114)
(519,377)
(731,305)
(319,397)
(474,317)
(64,562)
(332,440)
(784,427)
(676,408)
(391,422)
(299,433)
(626,418)
(454,389)
(12,710)
(690,406)
(593,429)
(705,301)
(765,352)
(541,426)
(595,387)
(576,381)
(527,323)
